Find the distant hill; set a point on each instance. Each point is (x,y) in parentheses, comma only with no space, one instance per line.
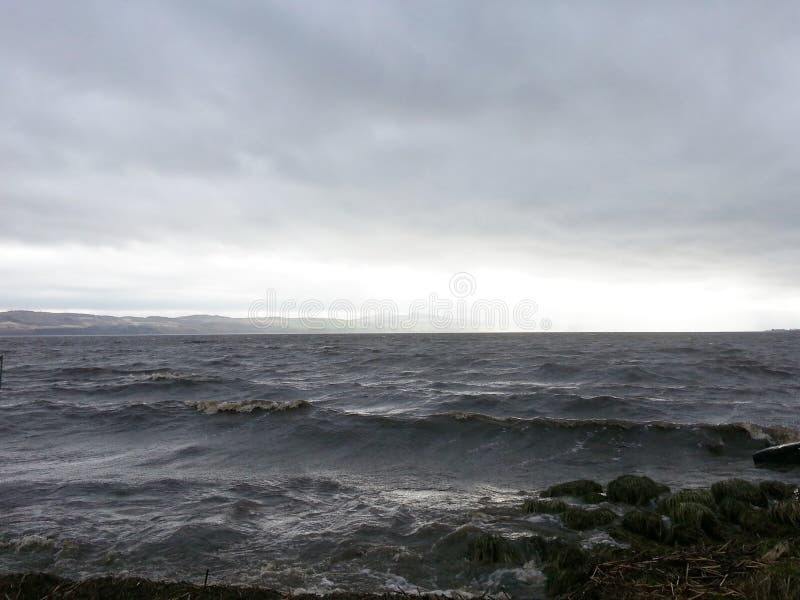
(28,322)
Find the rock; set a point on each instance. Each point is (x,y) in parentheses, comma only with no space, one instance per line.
(739,489)
(785,454)
(635,489)
(777,490)
(586,490)
(544,506)
(786,512)
(579,518)
(490,548)
(698,495)
(646,524)
(691,520)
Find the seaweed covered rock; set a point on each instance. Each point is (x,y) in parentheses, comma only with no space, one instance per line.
(752,519)
(692,521)
(696,495)
(757,521)
(490,548)
(637,490)
(786,512)
(535,505)
(739,489)
(736,539)
(486,547)
(567,570)
(734,510)
(585,489)
(580,518)
(777,490)
(646,524)
(573,517)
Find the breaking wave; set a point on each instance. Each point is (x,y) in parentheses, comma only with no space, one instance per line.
(212,407)
(774,434)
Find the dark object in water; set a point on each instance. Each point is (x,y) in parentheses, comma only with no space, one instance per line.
(785,454)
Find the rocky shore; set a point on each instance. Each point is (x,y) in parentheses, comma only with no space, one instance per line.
(734,539)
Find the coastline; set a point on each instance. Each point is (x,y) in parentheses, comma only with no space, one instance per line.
(23,586)
(733,539)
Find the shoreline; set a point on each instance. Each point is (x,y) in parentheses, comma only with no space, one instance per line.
(732,539)
(24,586)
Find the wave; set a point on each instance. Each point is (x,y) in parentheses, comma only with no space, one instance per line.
(137,414)
(759,369)
(122,382)
(212,407)
(774,434)
(555,370)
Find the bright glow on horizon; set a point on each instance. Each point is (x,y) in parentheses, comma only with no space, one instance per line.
(141,281)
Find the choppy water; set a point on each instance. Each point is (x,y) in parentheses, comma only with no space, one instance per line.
(357,462)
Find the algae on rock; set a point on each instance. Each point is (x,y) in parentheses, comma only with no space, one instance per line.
(637,490)
(585,489)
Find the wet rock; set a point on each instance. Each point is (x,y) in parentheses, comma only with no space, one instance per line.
(490,549)
(739,489)
(567,570)
(580,519)
(585,489)
(786,512)
(777,490)
(635,489)
(693,519)
(696,495)
(544,506)
(646,524)
(785,454)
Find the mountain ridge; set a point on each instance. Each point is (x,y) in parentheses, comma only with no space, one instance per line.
(30,322)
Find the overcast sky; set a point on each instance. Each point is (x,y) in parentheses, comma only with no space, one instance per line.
(628,165)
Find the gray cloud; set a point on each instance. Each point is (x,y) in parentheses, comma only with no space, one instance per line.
(647,136)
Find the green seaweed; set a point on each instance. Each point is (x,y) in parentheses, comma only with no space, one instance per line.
(567,570)
(751,531)
(757,521)
(733,510)
(739,489)
(786,512)
(490,549)
(637,490)
(535,505)
(580,518)
(692,520)
(696,495)
(646,524)
(585,489)
(777,490)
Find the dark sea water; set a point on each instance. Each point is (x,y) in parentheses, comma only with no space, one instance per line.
(358,462)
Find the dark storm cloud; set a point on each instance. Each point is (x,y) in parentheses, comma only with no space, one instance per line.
(659,134)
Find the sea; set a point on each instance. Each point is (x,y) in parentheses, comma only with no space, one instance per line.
(316,463)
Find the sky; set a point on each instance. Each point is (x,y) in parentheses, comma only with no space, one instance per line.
(625,165)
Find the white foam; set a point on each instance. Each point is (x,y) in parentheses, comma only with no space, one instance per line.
(33,542)
(212,407)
